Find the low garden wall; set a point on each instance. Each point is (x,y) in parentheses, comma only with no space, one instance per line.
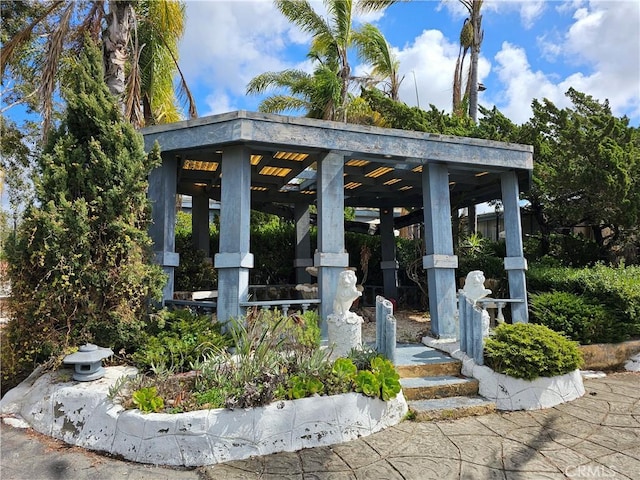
(80,413)
(510,393)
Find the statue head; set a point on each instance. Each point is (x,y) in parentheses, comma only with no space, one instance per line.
(474,286)
(346,292)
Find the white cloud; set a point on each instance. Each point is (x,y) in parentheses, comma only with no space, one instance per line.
(605,37)
(218,102)
(522,84)
(227,43)
(529,10)
(602,48)
(432,58)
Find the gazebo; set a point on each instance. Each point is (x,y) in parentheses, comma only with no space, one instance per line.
(251,160)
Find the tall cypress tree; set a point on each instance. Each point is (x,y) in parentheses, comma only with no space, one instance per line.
(80,264)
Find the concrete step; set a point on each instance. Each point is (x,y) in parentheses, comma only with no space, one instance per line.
(417,360)
(450,408)
(438,387)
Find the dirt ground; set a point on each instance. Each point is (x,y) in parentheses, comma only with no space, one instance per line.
(411,325)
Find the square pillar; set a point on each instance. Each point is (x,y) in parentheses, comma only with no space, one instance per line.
(331,257)
(515,264)
(303,243)
(389,265)
(200,222)
(234,259)
(440,262)
(162,195)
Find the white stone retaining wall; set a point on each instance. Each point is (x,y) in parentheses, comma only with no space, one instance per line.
(510,393)
(79,413)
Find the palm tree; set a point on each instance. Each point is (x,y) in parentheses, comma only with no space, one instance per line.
(475,18)
(471,37)
(374,48)
(130,73)
(325,93)
(466,39)
(318,94)
(159,32)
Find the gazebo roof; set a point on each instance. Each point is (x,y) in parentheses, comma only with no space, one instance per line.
(382,166)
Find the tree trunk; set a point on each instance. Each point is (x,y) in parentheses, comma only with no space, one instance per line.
(115,40)
(478,34)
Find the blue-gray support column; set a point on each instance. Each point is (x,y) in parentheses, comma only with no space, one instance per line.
(389,265)
(514,263)
(439,261)
(234,260)
(200,222)
(331,257)
(162,195)
(303,243)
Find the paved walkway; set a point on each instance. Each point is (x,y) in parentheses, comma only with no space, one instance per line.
(596,436)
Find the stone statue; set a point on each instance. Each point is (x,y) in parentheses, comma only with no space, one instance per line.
(344,328)
(474,286)
(346,293)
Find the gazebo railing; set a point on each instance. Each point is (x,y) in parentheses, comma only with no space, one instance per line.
(475,322)
(284,305)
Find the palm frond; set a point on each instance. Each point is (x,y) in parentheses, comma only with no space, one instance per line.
(51,63)
(302,14)
(286,79)
(375,5)
(23,36)
(282,103)
(341,12)
(133,96)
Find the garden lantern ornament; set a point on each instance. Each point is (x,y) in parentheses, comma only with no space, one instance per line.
(88,362)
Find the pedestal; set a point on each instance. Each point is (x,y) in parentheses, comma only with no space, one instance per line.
(345,333)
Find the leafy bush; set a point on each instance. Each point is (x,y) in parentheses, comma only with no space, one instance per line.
(194,272)
(579,318)
(529,351)
(177,340)
(478,253)
(617,289)
(296,331)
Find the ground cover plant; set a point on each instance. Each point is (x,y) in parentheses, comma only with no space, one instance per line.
(529,351)
(264,357)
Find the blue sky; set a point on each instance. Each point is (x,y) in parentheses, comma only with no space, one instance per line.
(532,49)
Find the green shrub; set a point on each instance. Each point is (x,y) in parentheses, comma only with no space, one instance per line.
(81,261)
(617,289)
(579,318)
(529,351)
(177,340)
(194,272)
(294,331)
